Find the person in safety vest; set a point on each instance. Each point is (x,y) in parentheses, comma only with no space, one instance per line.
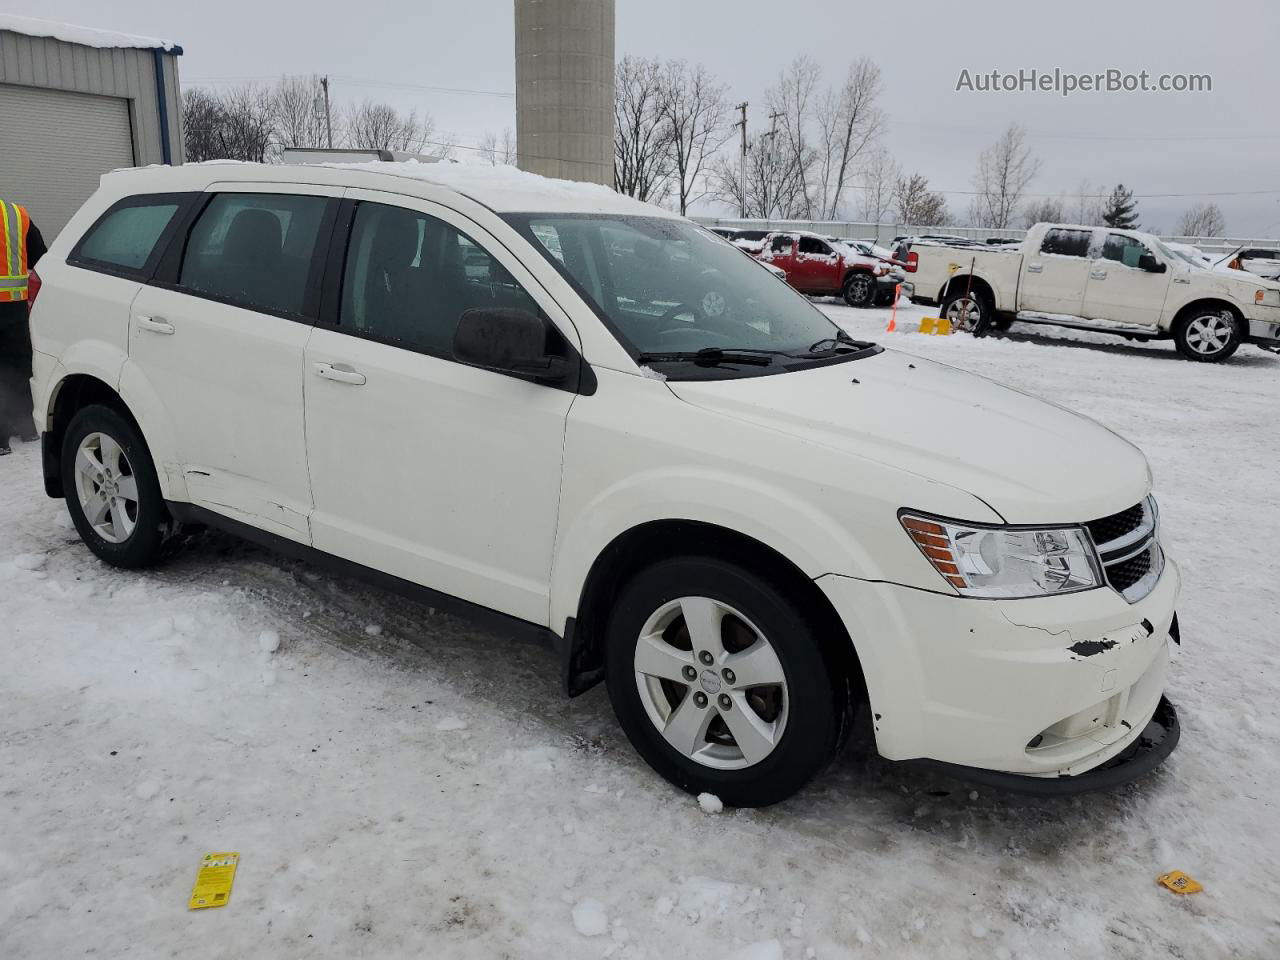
(20,247)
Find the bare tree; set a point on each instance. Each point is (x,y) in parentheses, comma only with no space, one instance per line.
(1087,209)
(379,126)
(1202,220)
(790,103)
(237,124)
(201,124)
(642,137)
(499,152)
(919,205)
(1004,171)
(772,190)
(692,107)
(1045,210)
(879,175)
(297,121)
(849,123)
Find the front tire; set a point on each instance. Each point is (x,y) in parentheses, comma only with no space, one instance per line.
(111,489)
(721,683)
(859,289)
(1207,335)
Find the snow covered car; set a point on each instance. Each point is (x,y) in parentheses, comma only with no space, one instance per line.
(583,418)
(887,289)
(815,267)
(1101,278)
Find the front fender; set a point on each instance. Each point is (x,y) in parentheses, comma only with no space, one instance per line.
(754,508)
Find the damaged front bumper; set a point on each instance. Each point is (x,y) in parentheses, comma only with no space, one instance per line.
(1039,693)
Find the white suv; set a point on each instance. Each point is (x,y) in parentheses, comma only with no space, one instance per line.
(583,416)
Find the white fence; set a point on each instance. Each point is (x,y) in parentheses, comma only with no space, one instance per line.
(883,233)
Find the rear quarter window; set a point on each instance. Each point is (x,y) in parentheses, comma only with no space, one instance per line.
(127,238)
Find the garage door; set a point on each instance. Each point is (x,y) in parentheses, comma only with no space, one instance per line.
(56,145)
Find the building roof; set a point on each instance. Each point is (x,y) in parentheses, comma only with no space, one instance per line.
(86,36)
(502,189)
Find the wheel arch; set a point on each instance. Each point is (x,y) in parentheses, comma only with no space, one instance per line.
(647,543)
(1217,304)
(980,286)
(71,394)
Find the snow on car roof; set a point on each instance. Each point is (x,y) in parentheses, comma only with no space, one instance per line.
(85,36)
(507,190)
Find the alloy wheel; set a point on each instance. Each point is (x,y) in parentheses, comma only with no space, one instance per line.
(106,488)
(1210,333)
(964,313)
(711,683)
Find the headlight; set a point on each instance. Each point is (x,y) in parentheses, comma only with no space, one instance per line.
(1004,562)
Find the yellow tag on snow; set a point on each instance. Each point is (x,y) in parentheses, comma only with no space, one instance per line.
(1178,882)
(213,881)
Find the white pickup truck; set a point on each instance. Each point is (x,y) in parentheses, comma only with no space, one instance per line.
(1099,278)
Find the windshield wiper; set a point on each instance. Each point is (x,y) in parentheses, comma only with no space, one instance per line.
(714,356)
(841,342)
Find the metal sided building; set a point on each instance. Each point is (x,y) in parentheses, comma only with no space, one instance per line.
(76,103)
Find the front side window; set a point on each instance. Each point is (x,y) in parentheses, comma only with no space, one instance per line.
(254,250)
(1123,249)
(126,236)
(666,287)
(409,277)
(1066,243)
(813,245)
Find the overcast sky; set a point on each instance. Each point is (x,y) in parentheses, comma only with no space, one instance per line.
(1226,141)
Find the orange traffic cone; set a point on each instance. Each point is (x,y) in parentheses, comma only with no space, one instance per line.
(893,314)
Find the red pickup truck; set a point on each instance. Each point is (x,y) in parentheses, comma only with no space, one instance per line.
(818,268)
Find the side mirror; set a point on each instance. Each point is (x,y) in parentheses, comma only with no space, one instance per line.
(508,340)
(1149,263)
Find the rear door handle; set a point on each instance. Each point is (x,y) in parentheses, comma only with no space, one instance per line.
(1098,275)
(156,325)
(1034,267)
(340,372)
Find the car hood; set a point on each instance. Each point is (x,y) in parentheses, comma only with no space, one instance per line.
(1029,460)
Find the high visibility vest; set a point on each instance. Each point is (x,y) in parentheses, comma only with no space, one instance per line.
(14,222)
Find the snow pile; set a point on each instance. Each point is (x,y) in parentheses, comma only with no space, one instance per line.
(710,803)
(589,918)
(85,36)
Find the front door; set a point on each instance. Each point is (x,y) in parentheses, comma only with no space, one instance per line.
(220,344)
(1054,278)
(1120,291)
(423,467)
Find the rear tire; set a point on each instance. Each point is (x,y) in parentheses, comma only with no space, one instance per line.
(969,312)
(111,489)
(708,689)
(1208,335)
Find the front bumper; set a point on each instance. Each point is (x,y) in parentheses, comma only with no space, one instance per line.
(1048,687)
(1265,333)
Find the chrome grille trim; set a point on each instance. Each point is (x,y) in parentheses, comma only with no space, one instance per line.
(1121,555)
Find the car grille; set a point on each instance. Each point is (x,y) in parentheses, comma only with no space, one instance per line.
(1128,545)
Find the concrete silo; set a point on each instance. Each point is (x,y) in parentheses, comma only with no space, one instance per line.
(564,88)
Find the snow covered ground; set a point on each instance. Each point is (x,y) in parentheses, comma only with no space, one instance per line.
(400,784)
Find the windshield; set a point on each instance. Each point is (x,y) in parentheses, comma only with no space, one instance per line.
(668,289)
(1182,255)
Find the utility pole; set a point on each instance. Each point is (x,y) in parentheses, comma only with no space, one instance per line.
(328,126)
(742,170)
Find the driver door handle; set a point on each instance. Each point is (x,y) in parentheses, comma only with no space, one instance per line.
(156,325)
(1098,275)
(340,372)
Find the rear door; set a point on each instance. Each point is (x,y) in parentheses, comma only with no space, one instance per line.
(218,338)
(1119,290)
(1054,277)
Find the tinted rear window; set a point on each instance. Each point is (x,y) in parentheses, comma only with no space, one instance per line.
(126,236)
